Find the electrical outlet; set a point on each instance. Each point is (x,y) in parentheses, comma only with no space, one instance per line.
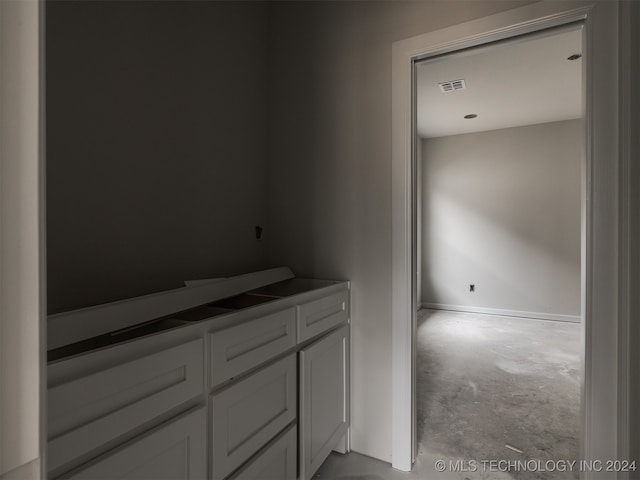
(472,287)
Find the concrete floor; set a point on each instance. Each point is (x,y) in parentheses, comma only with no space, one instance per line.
(485,384)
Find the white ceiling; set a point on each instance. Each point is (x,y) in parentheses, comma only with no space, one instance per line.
(513,84)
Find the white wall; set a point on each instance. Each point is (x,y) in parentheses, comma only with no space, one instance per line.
(501,210)
(21,298)
(156,115)
(330,167)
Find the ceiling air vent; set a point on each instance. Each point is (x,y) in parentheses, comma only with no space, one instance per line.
(452,85)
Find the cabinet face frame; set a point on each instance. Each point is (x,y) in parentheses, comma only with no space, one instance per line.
(322,354)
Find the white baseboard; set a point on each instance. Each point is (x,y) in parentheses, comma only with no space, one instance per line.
(557,317)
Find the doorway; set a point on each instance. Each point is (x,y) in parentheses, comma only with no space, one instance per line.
(499,210)
(598,284)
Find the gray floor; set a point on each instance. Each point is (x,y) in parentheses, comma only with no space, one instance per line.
(489,387)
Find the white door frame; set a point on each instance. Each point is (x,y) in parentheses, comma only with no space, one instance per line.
(605,413)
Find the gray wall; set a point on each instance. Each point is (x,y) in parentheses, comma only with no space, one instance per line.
(501,210)
(330,167)
(156,156)
(328,144)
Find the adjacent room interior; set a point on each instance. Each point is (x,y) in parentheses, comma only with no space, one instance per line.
(500,210)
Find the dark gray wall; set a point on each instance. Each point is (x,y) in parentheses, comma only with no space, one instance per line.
(155,145)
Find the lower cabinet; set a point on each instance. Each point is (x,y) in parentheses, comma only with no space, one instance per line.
(172,451)
(277,462)
(247,415)
(93,409)
(323,391)
(252,400)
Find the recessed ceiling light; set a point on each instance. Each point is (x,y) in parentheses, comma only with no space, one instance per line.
(575,56)
(471,115)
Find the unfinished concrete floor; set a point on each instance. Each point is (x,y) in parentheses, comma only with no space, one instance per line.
(485,384)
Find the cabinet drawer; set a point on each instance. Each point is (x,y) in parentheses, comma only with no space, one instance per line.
(176,450)
(238,349)
(277,462)
(320,315)
(247,415)
(89,411)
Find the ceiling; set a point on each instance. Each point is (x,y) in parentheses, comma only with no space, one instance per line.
(512,84)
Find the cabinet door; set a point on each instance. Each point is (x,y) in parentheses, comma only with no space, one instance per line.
(175,450)
(324,399)
(247,415)
(277,462)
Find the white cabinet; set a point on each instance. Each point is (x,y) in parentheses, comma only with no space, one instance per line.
(250,413)
(176,450)
(255,392)
(101,405)
(320,315)
(324,402)
(242,347)
(277,462)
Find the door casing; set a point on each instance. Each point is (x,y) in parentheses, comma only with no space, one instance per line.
(602,328)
